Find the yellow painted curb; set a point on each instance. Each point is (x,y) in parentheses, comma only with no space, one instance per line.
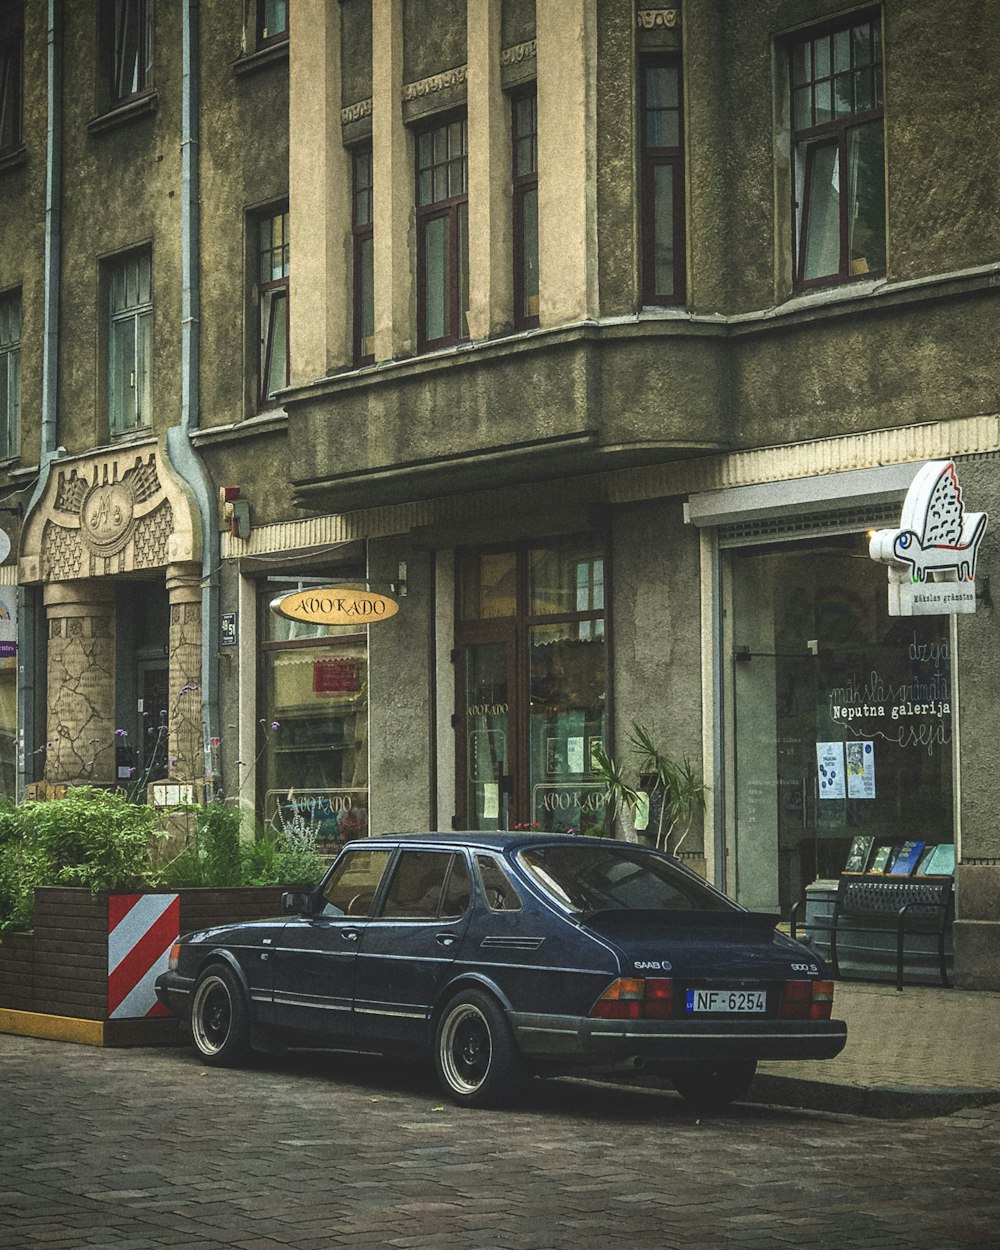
(52,1028)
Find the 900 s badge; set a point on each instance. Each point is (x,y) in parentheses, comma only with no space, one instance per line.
(653,965)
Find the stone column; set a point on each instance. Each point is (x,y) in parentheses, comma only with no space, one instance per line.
(80,746)
(319,196)
(392,173)
(187,750)
(566,34)
(490,230)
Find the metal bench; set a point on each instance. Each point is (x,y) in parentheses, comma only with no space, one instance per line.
(923,904)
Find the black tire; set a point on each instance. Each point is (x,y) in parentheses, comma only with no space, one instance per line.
(220,1024)
(475,1054)
(713,1085)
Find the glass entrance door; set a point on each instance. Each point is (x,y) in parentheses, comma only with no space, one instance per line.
(486,735)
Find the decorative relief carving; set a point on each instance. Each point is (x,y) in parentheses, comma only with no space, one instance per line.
(62,552)
(437,82)
(650,19)
(151,537)
(355,112)
(107,515)
(518,52)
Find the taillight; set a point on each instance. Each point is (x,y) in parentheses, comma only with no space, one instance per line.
(636,998)
(807,1000)
(175,957)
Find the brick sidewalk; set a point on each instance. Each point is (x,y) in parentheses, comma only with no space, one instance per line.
(931,1047)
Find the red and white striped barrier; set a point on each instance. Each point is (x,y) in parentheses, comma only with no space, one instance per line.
(141,930)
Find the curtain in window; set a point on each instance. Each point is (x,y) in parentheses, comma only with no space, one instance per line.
(822,213)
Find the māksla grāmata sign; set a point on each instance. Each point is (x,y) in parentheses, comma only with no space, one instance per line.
(932,556)
(334,605)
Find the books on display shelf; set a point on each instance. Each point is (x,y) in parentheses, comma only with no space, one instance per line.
(859,854)
(907,859)
(882,860)
(938,861)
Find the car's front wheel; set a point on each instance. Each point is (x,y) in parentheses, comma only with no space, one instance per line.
(220,1027)
(712,1085)
(475,1054)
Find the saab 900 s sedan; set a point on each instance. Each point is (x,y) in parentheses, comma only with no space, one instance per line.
(511,954)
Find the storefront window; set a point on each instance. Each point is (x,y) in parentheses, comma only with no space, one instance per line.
(532,686)
(842,717)
(314,729)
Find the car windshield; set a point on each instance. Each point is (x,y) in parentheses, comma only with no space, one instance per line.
(615,878)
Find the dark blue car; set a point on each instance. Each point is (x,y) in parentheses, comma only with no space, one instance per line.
(511,954)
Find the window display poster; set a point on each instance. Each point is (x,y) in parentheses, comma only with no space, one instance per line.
(830,767)
(861,770)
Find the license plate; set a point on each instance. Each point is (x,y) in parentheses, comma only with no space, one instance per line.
(728,1001)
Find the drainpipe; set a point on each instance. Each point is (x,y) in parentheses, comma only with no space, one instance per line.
(180,450)
(48,448)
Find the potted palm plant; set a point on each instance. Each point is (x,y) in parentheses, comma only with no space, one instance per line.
(669,793)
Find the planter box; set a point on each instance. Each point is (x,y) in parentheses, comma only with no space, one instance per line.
(85,972)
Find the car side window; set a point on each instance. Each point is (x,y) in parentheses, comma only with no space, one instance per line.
(417,885)
(351,888)
(497,887)
(457,890)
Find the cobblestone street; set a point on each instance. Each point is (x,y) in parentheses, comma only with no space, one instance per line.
(135,1150)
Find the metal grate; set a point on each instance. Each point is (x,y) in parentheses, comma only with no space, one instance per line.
(778,528)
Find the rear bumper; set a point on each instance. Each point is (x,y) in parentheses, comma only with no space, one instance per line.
(589,1041)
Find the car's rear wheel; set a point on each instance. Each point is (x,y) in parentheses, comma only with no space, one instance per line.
(712,1085)
(475,1054)
(220,1026)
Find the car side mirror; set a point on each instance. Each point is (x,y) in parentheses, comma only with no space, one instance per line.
(296,903)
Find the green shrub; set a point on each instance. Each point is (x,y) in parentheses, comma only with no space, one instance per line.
(282,857)
(93,838)
(90,838)
(102,841)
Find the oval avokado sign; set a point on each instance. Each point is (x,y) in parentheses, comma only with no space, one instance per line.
(335,605)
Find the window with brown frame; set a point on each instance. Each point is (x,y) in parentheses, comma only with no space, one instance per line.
(662,182)
(272,302)
(839,152)
(11,56)
(442,234)
(364,257)
(312,763)
(272,22)
(130,342)
(532,680)
(126,44)
(524,136)
(10,373)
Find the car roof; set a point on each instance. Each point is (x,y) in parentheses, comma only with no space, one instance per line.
(501,840)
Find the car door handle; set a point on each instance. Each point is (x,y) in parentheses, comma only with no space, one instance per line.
(446,939)
(349,935)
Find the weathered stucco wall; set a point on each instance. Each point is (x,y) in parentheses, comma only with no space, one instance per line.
(656,633)
(244,168)
(400,685)
(121,191)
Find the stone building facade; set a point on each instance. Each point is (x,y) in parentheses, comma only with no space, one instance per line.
(596,334)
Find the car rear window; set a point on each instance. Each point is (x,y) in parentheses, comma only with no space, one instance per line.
(602,878)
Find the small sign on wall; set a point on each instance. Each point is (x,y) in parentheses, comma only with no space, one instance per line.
(336,675)
(229,629)
(932,556)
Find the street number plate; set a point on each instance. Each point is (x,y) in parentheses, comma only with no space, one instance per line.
(726,1000)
